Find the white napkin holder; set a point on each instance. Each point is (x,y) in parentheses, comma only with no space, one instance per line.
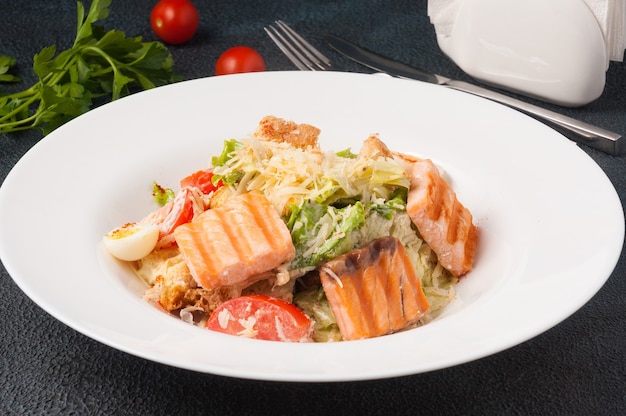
(553,50)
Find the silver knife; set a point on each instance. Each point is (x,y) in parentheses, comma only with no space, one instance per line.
(576,130)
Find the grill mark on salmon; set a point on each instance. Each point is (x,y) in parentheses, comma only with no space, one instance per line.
(374,290)
(234,242)
(443,222)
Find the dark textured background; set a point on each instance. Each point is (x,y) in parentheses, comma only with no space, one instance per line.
(576,368)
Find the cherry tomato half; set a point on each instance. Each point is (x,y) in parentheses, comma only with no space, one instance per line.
(174,21)
(239,59)
(261,317)
(202,180)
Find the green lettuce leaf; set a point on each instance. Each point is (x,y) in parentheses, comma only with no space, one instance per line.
(320,232)
(230,148)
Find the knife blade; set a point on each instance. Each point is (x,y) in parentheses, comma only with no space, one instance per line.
(576,130)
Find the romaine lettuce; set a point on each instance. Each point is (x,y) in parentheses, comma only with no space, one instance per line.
(318,230)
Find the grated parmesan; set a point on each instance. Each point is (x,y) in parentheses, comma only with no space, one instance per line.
(286,174)
(248,330)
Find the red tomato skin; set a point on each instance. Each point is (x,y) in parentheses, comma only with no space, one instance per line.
(174,21)
(239,59)
(266,311)
(201,180)
(182,211)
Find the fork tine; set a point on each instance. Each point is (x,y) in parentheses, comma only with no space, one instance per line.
(307,48)
(304,55)
(291,53)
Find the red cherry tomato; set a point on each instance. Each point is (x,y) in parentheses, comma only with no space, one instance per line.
(202,180)
(174,21)
(261,317)
(239,59)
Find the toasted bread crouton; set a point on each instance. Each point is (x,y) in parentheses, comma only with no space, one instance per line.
(172,285)
(374,148)
(276,129)
(183,292)
(161,262)
(220,196)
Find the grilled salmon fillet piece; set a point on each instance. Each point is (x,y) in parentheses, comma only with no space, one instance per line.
(374,290)
(234,242)
(443,222)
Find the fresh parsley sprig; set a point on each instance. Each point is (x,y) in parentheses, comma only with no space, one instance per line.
(6,63)
(99,64)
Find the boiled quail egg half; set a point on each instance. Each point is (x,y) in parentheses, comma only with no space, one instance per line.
(131,241)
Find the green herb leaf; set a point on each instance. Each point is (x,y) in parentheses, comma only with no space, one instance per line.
(99,10)
(100,63)
(347,153)
(162,195)
(6,63)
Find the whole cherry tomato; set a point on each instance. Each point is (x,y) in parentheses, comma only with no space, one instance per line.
(174,21)
(239,59)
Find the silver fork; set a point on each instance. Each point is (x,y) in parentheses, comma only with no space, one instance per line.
(296,48)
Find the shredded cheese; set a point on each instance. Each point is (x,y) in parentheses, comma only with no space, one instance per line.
(223,317)
(333,275)
(286,174)
(248,330)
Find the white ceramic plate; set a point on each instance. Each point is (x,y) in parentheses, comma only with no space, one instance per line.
(551,222)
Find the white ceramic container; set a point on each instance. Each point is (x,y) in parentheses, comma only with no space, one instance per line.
(553,50)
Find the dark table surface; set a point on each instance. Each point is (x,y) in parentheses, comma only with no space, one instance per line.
(575,368)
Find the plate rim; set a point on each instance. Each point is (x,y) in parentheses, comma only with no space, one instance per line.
(293,77)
